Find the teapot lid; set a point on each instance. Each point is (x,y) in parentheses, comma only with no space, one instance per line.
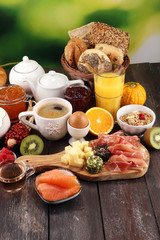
(26,65)
(53,80)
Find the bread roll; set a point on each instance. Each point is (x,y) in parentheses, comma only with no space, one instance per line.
(82,32)
(96,32)
(115,54)
(91,59)
(3,77)
(73,50)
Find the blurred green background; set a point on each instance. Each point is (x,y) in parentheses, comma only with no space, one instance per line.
(39,28)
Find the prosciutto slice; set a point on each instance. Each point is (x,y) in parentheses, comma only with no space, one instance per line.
(117,164)
(121,163)
(115,138)
(128,150)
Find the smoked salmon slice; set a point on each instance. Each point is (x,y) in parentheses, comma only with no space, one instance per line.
(55,177)
(54,193)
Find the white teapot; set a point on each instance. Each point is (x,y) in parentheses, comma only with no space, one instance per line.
(51,84)
(27,69)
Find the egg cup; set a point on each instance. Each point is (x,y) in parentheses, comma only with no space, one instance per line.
(77,133)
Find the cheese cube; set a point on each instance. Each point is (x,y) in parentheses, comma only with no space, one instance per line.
(67,149)
(88,154)
(65,158)
(81,154)
(77,163)
(73,154)
(85,144)
(87,149)
(77,144)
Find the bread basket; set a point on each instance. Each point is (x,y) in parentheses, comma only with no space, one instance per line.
(87,77)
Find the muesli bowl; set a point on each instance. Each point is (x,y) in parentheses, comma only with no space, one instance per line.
(131,129)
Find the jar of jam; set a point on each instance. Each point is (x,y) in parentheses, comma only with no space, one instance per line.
(79,96)
(13,100)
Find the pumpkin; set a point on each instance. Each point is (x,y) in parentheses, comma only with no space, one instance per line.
(133,93)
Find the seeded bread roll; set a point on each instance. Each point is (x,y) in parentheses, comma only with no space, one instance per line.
(91,59)
(96,32)
(103,33)
(115,54)
(73,50)
(3,77)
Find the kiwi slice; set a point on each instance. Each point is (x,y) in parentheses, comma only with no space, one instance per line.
(31,145)
(152,137)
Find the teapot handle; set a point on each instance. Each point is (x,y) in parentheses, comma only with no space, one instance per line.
(77,81)
(22,116)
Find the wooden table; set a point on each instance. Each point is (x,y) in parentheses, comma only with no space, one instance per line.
(111,210)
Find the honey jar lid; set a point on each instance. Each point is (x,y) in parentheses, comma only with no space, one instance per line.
(26,65)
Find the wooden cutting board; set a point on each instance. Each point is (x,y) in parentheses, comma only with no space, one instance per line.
(46,162)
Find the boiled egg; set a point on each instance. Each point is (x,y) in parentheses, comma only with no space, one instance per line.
(78,120)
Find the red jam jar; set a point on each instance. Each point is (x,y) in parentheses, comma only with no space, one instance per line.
(13,100)
(79,96)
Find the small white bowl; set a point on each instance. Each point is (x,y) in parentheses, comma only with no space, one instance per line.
(130,129)
(5,122)
(77,133)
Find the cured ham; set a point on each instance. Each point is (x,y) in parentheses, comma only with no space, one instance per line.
(117,164)
(115,138)
(126,152)
(123,147)
(121,163)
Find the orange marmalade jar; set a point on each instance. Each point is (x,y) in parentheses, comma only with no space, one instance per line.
(12,99)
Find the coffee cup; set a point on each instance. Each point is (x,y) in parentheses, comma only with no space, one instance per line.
(13,175)
(51,115)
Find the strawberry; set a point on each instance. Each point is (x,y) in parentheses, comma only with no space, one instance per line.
(3,155)
(6,150)
(10,156)
(1,158)
(6,156)
(6,161)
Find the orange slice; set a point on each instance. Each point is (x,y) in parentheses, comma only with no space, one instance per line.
(101,121)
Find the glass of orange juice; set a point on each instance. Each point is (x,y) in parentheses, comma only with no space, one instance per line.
(109,89)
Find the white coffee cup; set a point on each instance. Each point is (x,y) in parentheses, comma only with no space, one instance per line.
(50,128)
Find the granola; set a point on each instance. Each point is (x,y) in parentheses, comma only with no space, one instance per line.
(137,118)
